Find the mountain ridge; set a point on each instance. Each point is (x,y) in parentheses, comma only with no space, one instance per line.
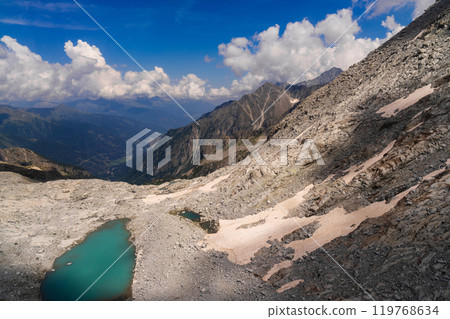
(66,135)
(157,113)
(249,117)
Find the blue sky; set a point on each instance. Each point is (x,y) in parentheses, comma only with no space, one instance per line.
(174,35)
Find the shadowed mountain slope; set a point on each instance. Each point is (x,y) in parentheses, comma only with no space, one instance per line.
(65,135)
(32,165)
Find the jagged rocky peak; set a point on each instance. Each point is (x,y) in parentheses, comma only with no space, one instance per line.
(324,78)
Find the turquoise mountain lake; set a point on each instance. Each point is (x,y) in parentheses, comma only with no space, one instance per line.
(79,267)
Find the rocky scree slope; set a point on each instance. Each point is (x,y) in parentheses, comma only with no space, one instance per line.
(382,130)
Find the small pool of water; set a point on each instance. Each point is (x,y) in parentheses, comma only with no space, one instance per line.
(211,226)
(190,215)
(79,267)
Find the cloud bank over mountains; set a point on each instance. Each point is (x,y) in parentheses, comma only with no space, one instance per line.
(268,56)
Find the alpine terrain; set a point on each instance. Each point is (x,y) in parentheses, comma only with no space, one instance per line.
(251,116)
(368,219)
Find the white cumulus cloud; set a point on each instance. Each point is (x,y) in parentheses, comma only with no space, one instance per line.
(24,75)
(271,56)
(392,25)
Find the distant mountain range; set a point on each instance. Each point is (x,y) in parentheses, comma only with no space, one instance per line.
(68,136)
(160,114)
(92,133)
(157,113)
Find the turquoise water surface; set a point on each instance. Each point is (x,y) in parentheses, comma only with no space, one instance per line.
(79,267)
(191,215)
